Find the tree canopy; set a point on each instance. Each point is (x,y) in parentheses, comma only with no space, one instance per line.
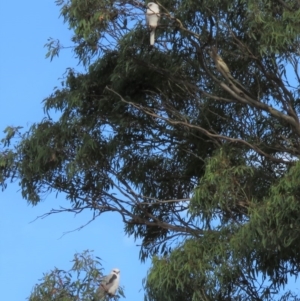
(194,142)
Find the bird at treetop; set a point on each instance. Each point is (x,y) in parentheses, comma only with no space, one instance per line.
(152,18)
(108,285)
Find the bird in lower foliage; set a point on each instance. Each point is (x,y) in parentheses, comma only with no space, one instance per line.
(108,285)
(152,18)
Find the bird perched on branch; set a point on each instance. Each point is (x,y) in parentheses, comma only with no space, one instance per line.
(224,70)
(220,64)
(152,18)
(108,285)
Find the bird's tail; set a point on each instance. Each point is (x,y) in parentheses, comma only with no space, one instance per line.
(100,295)
(152,37)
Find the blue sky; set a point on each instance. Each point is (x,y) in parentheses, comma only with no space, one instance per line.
(27,250)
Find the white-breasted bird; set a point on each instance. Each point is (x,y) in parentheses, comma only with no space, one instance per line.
(109,285)
(152,18)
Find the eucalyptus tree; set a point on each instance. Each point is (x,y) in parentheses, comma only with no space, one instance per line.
(193,141)
(80,282)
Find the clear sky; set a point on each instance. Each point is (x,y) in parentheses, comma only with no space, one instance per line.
(27,250)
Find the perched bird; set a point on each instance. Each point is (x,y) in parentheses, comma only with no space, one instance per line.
(108,285)
(224,70)
(152,18)
(220,64)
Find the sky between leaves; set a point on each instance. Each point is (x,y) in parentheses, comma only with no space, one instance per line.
(27,250)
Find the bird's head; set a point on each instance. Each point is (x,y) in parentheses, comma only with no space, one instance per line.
(115,271)
(150,4)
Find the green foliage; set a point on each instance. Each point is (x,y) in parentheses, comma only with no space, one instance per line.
(78,283)
(206,269)
(240,231)
(194,142)
(228,185)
